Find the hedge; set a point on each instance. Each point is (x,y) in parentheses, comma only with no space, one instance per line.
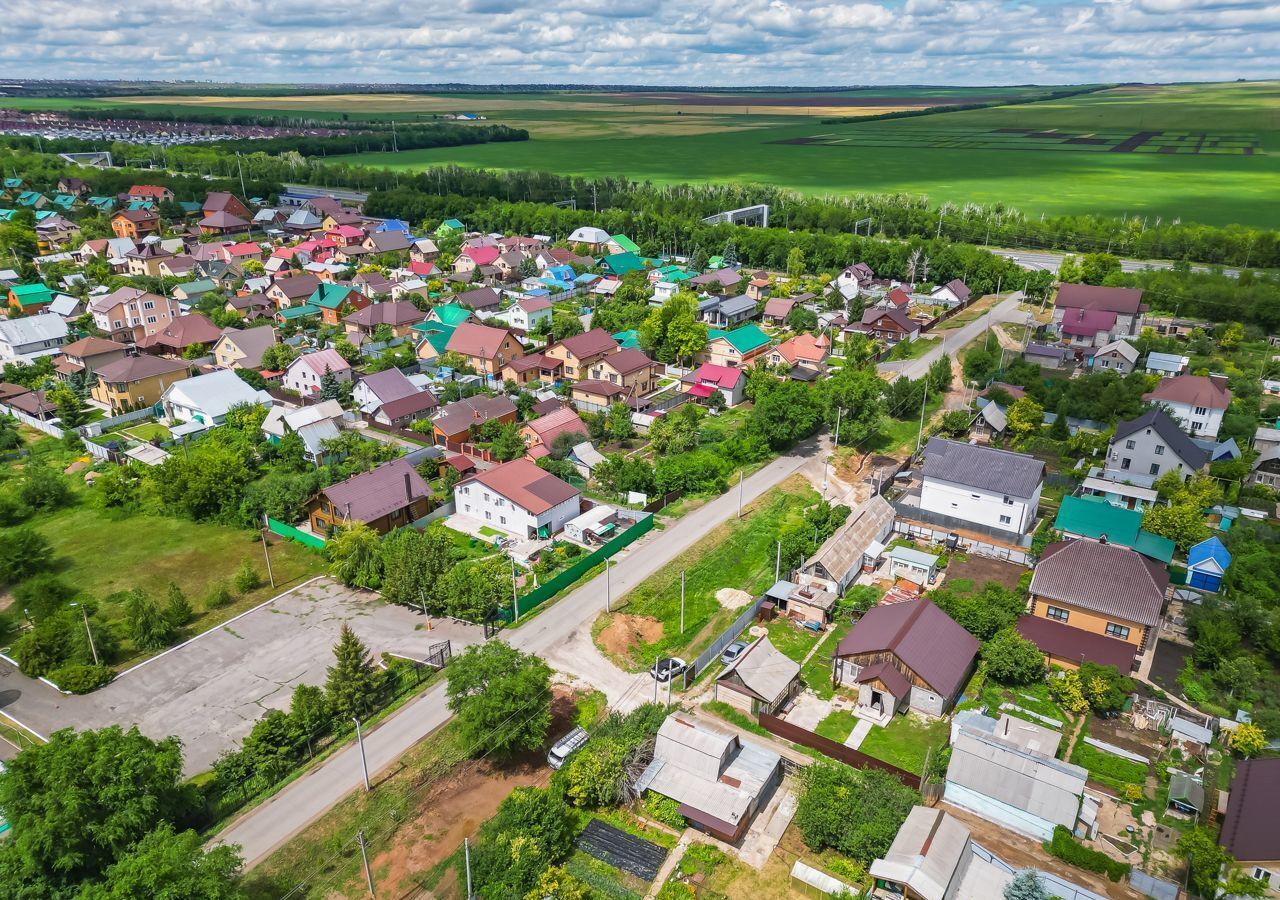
(1067,849)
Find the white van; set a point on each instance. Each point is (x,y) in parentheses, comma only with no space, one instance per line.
(566,745)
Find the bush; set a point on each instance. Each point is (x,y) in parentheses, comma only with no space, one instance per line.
(219,595)
(42,595)
(1067,849)
(81,679)
(246,577)
(664,810)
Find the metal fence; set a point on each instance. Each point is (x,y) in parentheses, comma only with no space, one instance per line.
(315,542)
(727,637)
(828,747)
(929,517)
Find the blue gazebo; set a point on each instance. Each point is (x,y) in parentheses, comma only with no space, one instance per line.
(1207,562)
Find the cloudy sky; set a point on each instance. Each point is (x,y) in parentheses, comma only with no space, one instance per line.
(720,42)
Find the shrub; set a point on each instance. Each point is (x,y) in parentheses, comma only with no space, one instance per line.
(42,595)
(1069,850)
(701,858)
(664,810)
(81,679)
(246,577)
(219,595)
(1132,793)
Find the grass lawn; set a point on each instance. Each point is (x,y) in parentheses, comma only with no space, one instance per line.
(100,554)
(816,673)
(899,435)
(469,544)
(838,725)
(792,640)
(737,554)
(1107,768)
(905,742)
(912,349)
(490,532)
(148,431)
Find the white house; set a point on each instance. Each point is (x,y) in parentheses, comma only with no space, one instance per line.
(306,372)
(954,293)
(992,488)
(519,498)
(372,392)
(1198,402)
(596,238)
(527,312)
(27,339)
(206,398)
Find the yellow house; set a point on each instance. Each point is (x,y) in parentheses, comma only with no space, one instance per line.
(137,381)
(582,351)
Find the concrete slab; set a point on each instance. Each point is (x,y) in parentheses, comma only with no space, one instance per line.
(808,710)
(859,734)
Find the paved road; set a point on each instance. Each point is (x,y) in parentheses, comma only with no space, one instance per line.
(1004,311)
(1051,262)
(267,826)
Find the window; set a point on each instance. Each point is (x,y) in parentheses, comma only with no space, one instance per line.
(1159,449)
(1005,520)
(1155,468)
(150,304)
(1124,463)
(1008,501)
(1129,445)
(1202,410)
(1054,612)
(151,320)
(1262,875)
(488,515)
(1115,630)
(502,519)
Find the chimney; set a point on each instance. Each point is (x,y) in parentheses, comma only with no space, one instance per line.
(1102,538)
(408,487)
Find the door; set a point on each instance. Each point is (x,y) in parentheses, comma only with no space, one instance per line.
(877,700)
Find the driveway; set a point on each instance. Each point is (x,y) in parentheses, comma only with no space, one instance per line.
(1052,262)
(211,690)
(952,340)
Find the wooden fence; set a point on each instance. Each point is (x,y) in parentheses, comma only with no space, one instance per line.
(840,752)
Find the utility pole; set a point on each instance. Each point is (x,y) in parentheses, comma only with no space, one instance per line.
(364,763)
(395,147)
(89,631)
(839,413)
(466,855)
(240,169)
(364,854)
(608,586)
(515,603)
(739,493)
(682,601)
(265,528)
(656,660)
(923,403)
(777,566)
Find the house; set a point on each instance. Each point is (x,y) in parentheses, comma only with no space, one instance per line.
(993,489)
(372,284)
(1094,519)
(527,313)
(136,382)
(1207,563)
(223,223)
(1122,309)
(484,348)
(913,565)
(1005,771)
(145,259)
(1152,445)
(759,287)
(293,290)
(27,339)
(181,334)
(135,223)
(889,325)
(335,301)
(899,298)
(371,392)
(387,497)
(85,356)
(777,309)
(519,498)
(632,369)
(1117,356)
(193,290)
(533,368)
(719,780)
(808,604)
(455,422)
(582,352)
(242,348)
(30,298)
(1084,328)
(206,399)
(1100,588)
(1249,830)
(387,241)
(129,314)
(1067,646)
(595,239)
(1198,402)
(707,379)
(305,374)
(595,395)
(852,548)
(729,312)
(250,307)
(472,258)
(803,351)
(540,434)
(954,293)
(739,348)
(405,411)
(716,281)
(399,315)
(35,404)
(481,301)
(1167,365)
(314,425)
(907,654)
(761,679)
(934,857)
(151,192)
(1047,356)
(423,250)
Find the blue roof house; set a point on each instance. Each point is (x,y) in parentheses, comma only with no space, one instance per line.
(1207,562)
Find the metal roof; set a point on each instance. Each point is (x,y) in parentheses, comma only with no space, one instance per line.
(985,468)
(922,636)
(1104,578)
(764,670)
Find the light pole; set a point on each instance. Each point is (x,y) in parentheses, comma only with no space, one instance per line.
(89,631)
(364,763)
(608,586)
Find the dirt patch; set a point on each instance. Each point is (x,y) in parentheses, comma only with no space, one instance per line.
(732,598)
(857,467)
(626,632)
(1119,733)
(981,569)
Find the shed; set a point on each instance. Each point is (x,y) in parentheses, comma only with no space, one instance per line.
(761,679)
(1186,793)
(1207,563)
(914,565)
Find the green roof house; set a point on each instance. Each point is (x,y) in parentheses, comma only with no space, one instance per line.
(745,339)
(193,290)
(448,227)
(622,263)
(1096,519)
(628,340)
(715,262)
(190,207)
(12,184)
(436,336)
(623,244)
(288,314)
(30,297)
(451,314)
(33,199)
(105,204)
(65,201)
(331,296)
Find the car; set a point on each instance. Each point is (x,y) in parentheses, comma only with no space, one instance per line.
(666,669)
(732,652)
(561,749)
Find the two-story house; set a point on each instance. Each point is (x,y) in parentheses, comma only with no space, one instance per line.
(398,315)
(1151,445)
(305,375)
(129,314)
(1198,402)
(384,498)
(519,498)
(136,382)
(995,489)
(527,313)
(582,351)
(737,349)
(243,348)
(135,223)
(631,369)
(484,348)
(31,337)
(1121,310)
(85,356)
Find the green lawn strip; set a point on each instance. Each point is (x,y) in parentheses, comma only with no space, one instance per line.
(623,820)
(792,640)
(899,434)
(816,673)
(838,725)
(605,881)
(1034,697)
(1107,768)
(912,349)
(736,716)
(737,554)
(590,708)
(905,742)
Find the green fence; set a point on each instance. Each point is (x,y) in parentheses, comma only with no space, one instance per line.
(559,582)
(302,537)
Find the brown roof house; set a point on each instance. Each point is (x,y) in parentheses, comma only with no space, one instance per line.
(519,498)
(1121,307)
(540,433)
(242,348)
(135,382)
(399,315)
(803,351)
(582,351)
(888,325)
(457,419)
(385,498)
(1197,402)
(1103,589)
(86,356)
(1249,830)
(485,349)
(181,334)
(908,654)
(630,368)
(761,679)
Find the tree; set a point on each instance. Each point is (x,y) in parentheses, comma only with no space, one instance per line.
(177,608)
(672,332)
(72,410)
(508,444)
(1026,416)
(355,556)
(353,686)
(795,263)
(148,626)
(980,365)
(166,865)
(502,698)
(1181,523)
(80,802)
(44,488)
(857,813)
(955,422)
(414,564)
(474,590)
(855,398)
(1012,659)
(1247,739)
(277,357)
(1026,886)
(940,375)
(1231,336)
(801,318)
(984,613)
(618,423)
(329,388)
(1212,872)
(785,413)
(531,831)
(557,882)
(23,552)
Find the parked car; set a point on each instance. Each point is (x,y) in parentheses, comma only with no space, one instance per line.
(666,669)
(732,652)
(561,749)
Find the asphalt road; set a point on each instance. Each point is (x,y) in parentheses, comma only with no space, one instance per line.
(269,825)
(951,341)
(1051,262)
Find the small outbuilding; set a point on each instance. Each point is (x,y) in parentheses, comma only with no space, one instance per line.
(913,565)
(1207,563)
(761,679)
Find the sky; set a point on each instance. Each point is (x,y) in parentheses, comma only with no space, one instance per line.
(650,42)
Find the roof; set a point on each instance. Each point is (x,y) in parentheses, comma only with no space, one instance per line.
(223,219)
(213,394)
(1186,789)
(521,481)
(534,304)
(91,346)
(460,415)
(330,296)
(624,362)
(927,640)
(589,343)
(625,243)
(779,307)
(1123,348)
(985,468)
(588,235)
(1052,351)
(884,672)
(135,368)
(396,312)
(388,385)
(31,294)
(371,495)
(251,342)
(482,341)
(926,853)
(801,347)
(874,314)
(725,377)
(1167,362)
(481,256)
(1168,431)
(1104,578)
(450,314)
(183,332)
(199,286)
(480,298)
(417,402)
(599,387)
(45,326)
(32,403)
(321,361)
(958,288)
(1194,390)
(1095,297)
(1209,551)
(1097,519)
(1068,642)
(1087,322)
(1249,830)
(562,421)
(733,306)
(843,551)
(764,670)
(726,277)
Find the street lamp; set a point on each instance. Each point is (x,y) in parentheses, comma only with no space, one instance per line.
(89,631)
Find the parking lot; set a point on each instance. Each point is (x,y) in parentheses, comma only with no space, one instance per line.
(210,691)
